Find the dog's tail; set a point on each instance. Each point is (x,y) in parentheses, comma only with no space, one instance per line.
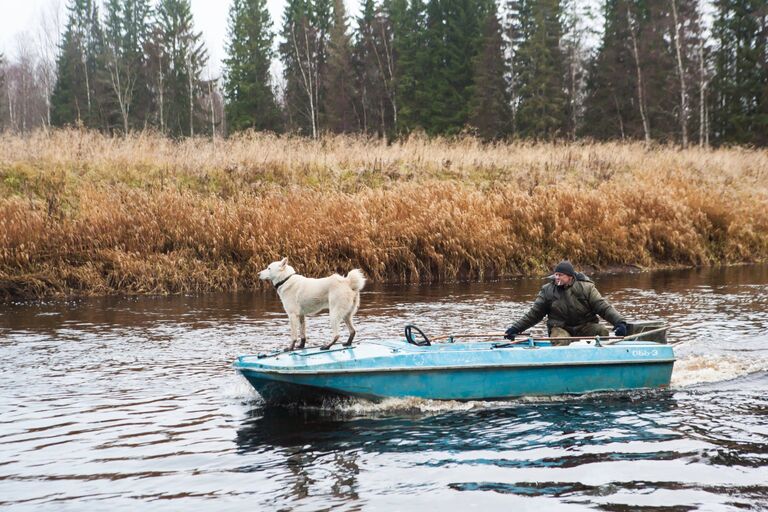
(356,279)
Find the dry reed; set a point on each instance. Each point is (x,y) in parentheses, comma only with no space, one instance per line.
(83,213)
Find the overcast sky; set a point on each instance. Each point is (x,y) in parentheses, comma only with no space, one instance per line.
(18,16)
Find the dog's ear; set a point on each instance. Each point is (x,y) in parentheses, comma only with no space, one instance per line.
(283,262)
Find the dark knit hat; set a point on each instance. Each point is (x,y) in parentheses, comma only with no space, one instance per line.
(565,267)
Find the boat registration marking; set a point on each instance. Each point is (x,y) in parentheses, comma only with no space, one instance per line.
(645,352)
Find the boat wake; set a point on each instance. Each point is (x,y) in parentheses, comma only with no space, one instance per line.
(701,369)
(421,406)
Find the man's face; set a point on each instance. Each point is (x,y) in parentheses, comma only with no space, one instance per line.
(563,279)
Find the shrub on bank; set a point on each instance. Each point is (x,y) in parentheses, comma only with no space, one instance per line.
(88,214)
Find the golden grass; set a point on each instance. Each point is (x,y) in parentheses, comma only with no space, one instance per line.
(84,213)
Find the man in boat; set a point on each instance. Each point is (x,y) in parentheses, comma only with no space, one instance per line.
(571,304)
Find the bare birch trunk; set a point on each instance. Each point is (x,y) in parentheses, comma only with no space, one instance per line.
(389,77)
(213,115)
(681,74)
(10,107)
(114,75)
(306,77)
(87,83)
(573,93)
(48,44)
(191,97)
(24,98)
(703,121)
(640,96)
(161,96)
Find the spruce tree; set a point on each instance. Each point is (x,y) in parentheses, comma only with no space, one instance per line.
(370,59)
(338,104)
(323,21)
(739,88)
(248,84)
(539,71)
(183,62)
(490,104)
(412,65)
(452,42)
(656,40)
(386,62)
(75,98)
(611,105)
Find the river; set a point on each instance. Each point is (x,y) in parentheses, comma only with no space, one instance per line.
(132,404)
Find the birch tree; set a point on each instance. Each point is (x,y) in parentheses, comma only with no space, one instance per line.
(126,33)
(302,54)
(631,23)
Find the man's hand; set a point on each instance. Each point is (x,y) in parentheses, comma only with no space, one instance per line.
(510,334)
(620,329)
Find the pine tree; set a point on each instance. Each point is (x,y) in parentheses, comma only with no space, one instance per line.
(248,85)
(740,111)
(75,96)
(490,103)
(183,58)
(539,71)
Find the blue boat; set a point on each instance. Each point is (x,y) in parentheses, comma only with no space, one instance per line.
(458,370)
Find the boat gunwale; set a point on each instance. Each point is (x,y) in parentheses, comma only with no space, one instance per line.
(340,371)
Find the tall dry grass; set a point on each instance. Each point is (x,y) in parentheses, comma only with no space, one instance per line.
(89,214)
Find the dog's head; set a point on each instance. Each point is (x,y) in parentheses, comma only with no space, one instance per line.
(276,271)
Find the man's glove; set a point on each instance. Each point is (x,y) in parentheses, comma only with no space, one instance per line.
(620,329)
(510,334)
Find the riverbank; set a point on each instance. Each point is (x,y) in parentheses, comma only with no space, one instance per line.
(85,214)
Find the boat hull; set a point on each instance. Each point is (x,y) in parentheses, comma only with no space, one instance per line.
(458,372)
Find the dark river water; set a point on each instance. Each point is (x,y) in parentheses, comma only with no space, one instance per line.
(132,404)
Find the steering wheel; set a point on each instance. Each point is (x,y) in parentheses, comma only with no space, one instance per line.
(409,337)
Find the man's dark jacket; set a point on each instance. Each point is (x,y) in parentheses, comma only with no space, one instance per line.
(568,306)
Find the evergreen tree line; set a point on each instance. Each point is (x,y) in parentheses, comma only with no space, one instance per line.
(514,69)
(135,67)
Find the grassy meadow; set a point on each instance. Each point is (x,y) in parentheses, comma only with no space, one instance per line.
(84,213)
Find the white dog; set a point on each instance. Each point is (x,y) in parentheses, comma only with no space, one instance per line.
(303,296)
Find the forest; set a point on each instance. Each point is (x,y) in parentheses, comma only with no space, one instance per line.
(684,72)
(421,141)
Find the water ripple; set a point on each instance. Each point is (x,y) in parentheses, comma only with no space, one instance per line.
(113,403)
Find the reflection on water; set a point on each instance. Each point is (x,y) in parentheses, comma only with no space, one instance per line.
(113,403)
